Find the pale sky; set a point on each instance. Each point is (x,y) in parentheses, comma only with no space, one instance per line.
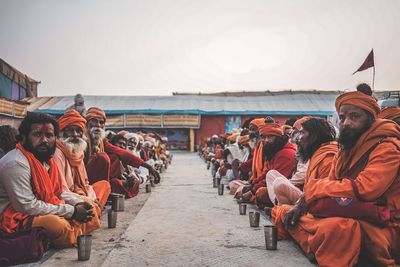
(149,47)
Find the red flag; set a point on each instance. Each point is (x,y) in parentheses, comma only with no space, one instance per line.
(368,63)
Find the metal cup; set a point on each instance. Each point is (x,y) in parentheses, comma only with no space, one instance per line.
(271,237)
(215,183)
(118,202)
(148,188)
(84,247)
(254,218)
(220,189)
(112,218)
(242,209)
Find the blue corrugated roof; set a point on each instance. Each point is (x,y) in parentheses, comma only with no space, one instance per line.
(282,104)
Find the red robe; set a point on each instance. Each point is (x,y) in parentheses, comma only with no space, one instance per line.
(284,162)
(117,156)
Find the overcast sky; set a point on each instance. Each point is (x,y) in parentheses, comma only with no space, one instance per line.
(149,47)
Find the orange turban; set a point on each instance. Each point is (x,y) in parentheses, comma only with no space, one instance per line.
(258,122)
(71,117)
(360,100)
(300,121)
(243,140)
(271,129)
(95,112)
(390,113)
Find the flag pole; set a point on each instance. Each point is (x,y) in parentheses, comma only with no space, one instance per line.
(373,79)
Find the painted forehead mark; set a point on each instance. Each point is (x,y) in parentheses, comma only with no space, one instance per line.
(45,127)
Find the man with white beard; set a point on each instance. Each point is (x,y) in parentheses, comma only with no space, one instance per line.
(69,159)
(99,166)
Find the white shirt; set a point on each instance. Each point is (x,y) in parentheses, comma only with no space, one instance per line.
(16,188)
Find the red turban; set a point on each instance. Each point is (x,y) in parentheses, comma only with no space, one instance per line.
(360,100)
(271,129)
(300,121)
(95,112)
(258,122)
(71,117)
(390,113)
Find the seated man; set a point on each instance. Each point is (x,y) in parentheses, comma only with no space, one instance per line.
(366,169)
(281,190)
(278,154)
(30,189)
(99,166)
(69,159)
(257,163)
(124,179)
(316,146)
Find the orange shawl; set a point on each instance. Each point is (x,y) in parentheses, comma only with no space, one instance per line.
(78,169)
(258,164)
(321,162)
(46,187)
(380,130)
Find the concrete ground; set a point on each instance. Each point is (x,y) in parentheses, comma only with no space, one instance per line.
(182,222)
(185,223)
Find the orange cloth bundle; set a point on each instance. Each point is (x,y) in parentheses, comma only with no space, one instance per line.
(258,122)
(390,113)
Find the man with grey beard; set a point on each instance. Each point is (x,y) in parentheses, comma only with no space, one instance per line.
(98,164)
(69,159)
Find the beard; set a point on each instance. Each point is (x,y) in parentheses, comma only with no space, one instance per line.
(75,145)
(42,156)
(348,137)
(270,149)
(97,135)
(306,150)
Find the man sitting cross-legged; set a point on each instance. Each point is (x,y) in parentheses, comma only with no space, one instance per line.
(30,190)
(69,159)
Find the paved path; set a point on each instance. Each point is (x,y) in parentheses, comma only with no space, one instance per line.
(185,223)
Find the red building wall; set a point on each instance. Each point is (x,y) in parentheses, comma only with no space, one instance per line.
(210,125)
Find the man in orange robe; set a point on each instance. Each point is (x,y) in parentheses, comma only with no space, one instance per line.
(367,169)
(257,163)
(31,194)
(316,145)
(69,159)
(391,113)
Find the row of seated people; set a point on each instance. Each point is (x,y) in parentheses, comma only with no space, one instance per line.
(337,197)
(58,174)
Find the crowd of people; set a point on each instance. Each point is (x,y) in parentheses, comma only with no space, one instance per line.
(58,174)
(335,193)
